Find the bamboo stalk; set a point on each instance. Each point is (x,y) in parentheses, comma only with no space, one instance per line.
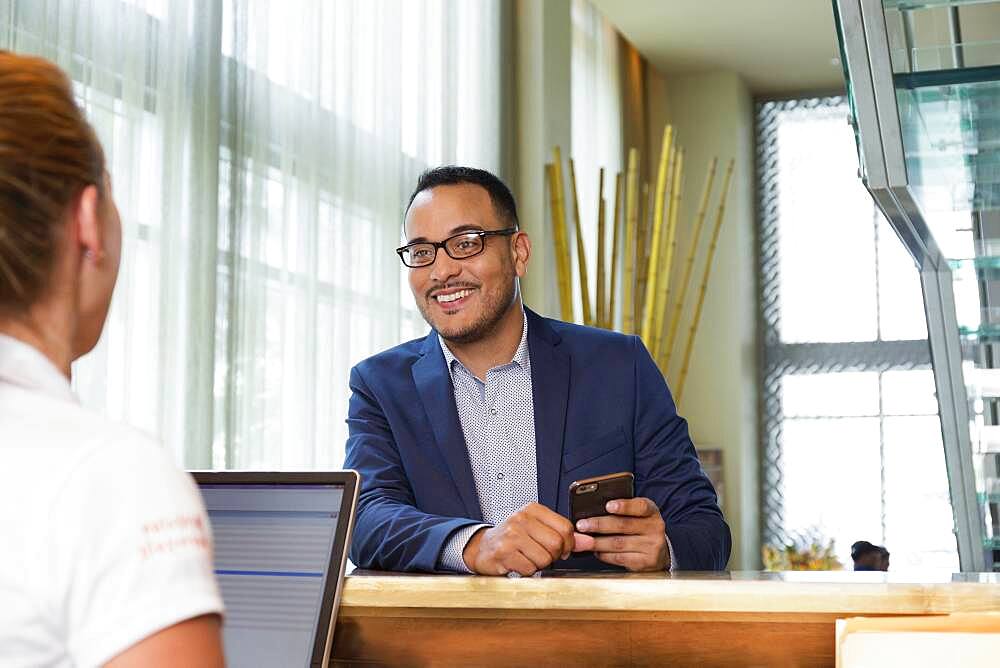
(581,255)
(559,238)
(667,201)
(657,232)
(641,253)
(699,223)
(704,281)
(663,295)
(613,269)
(600,302)
(628,270)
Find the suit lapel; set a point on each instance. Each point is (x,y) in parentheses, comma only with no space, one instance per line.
(550,377)
(433,383)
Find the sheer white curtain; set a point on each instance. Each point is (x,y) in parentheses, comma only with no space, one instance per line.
(262,153)
(596,122)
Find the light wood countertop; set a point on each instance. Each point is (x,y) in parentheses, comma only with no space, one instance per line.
(593,619)
(841,593)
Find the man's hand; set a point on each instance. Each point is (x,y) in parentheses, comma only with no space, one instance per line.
(530,540)
(636,536)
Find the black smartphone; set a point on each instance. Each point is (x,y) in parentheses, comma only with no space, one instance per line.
(588,497)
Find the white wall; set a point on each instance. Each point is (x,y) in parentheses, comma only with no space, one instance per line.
(712,115)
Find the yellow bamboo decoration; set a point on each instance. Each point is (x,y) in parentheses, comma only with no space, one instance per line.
(657,232)
(704,281)
(559,238)
(631,213)
(615,228)
(580,251)
(641,253)
(600,302)
(663,230)
(663,293)
(699,223)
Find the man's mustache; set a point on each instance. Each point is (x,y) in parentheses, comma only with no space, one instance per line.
(454,285)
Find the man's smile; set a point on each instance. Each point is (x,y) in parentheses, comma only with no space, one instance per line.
(451,300)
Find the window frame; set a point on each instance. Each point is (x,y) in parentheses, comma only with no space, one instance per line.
(776,358)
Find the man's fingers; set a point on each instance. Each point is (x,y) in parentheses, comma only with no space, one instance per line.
(612,524)
(637,507)
(539,556)
(633,561)
(547,537)
(518,563)
(562,526)
(582,542)
(622,544)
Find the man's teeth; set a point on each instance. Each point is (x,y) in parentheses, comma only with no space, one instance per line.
(453,296)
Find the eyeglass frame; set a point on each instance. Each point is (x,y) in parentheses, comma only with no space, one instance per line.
(443,244)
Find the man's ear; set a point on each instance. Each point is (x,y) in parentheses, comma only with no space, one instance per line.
(86,219)
(522,252)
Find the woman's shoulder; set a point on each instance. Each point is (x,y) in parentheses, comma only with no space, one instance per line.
(76,443)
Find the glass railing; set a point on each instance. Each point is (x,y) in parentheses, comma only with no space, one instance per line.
(951,143)
(929,4)
(933,61)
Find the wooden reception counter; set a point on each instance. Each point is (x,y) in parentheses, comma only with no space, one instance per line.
(580,619)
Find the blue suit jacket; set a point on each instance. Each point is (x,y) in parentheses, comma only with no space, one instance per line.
(601,406)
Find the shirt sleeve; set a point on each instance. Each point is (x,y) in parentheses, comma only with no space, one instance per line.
(670,551)
(451,554)
(132,550)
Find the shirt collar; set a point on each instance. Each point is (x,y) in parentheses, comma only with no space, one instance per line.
(25,366)
(521,357)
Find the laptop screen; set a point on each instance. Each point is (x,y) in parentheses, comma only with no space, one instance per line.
(274,544)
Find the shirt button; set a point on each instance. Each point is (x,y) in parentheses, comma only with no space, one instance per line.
(493,411)
(499,476)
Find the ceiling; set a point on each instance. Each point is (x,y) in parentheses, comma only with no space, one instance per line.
(778,46)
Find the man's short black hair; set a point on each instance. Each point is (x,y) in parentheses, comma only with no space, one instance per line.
(863,547)
(452,175)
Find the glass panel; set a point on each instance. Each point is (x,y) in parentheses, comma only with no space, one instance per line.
(831,480)
(921,37)
(950,130)
(924,4)
(830,394)
(973,54)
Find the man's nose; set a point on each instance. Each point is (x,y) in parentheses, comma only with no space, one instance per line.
(445,267)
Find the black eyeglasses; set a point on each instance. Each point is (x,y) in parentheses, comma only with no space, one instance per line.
(459,247)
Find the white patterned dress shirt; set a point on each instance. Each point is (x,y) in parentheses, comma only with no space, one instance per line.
(498,422)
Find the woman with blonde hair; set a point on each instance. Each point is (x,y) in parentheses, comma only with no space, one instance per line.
(105,556)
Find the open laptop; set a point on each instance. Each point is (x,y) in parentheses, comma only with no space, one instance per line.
(281,542)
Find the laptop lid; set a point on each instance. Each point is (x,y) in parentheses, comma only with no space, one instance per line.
(281,542)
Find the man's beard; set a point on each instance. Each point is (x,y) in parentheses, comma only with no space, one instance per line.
(494,309)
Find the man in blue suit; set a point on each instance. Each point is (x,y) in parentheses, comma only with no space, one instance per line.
(468,439)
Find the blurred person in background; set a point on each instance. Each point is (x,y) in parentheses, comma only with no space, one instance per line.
(868,557)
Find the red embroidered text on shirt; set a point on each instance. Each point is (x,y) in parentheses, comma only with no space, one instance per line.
(170,535)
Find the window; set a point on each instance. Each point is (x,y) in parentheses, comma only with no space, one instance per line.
(596,131)
(262,152)
(851,438)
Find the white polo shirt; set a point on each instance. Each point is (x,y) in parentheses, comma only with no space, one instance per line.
(103,541)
